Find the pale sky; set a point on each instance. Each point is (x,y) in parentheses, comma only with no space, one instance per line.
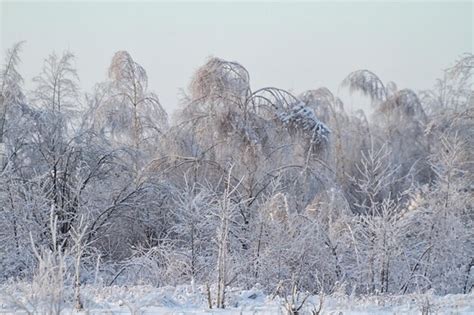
(295,46)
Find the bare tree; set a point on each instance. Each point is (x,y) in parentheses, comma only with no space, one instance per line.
(10,92)
(130,113)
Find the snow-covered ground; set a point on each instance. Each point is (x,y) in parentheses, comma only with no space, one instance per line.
(183,300)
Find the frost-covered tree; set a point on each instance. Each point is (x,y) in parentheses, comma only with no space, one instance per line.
(129,112)
(443,213)
(243,186)
(56,102)
(399,119)
(11,93)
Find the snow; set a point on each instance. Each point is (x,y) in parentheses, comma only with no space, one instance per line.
(184,300)
(304,117)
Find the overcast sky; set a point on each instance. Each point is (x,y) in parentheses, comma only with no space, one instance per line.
(292,46)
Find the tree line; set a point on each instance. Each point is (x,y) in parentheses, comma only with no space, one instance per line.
(240,186)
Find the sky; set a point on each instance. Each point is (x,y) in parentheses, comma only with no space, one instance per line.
(294,46)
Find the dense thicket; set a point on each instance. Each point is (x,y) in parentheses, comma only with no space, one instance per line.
(241,186)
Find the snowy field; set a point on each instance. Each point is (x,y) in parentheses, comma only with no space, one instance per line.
(182,301)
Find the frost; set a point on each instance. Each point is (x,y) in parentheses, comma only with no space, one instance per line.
(303,117)
(106,206)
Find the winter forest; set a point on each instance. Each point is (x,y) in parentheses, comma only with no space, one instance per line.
(241,186)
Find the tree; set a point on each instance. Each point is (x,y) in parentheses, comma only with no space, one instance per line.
(129,113)
(56,98)
(401,119)
(10,93)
